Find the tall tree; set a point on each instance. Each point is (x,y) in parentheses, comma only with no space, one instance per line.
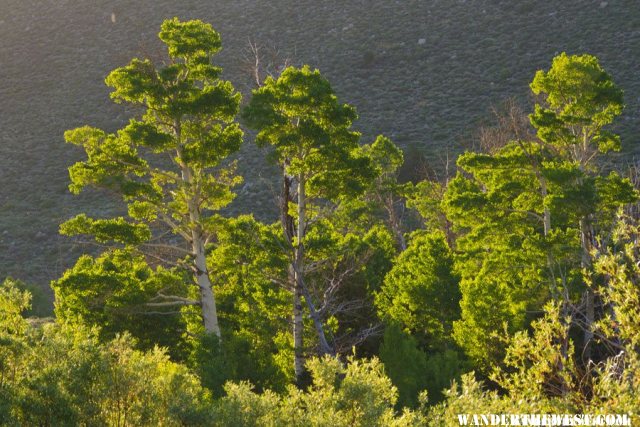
(299,115)
(529,213)
(496,207)
(169,164)
(579,100)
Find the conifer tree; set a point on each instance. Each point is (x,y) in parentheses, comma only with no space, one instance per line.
(318,153)
(169,164)
(580,100)
(529,214)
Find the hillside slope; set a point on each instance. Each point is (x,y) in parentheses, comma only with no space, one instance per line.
(423,72)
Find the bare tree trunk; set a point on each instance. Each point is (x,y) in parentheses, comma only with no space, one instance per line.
(296,274)
(299,267)
(298,330)
(395,223)
(298,271)
(586,232)
(325,348)
(546,213)
(297,318)
(207,299)
(589,296)
(300,230)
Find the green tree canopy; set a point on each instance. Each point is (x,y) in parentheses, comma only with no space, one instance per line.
(421,292)
(169,163)
(299,115)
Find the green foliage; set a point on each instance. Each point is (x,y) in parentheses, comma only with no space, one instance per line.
(352,257)
(357,394)
(580,95)
(496,208)
(248,265)
(324,168)
(426,198)
(299,115)
(107,230)
(550,381)
(470,396)
(168,165)
(385,155)
(41,306)
(413,370)
(442,368)
(421,291)
(528,214)
(404,363)
(385,196)
(619,265)
(244,408)
(65,375)
(113,292)
(189,115)
(13,345)
(531,373)
(14,301)
(520,224)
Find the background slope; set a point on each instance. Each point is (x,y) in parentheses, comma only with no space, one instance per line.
(424,73)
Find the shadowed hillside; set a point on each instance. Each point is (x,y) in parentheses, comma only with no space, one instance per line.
(422,72)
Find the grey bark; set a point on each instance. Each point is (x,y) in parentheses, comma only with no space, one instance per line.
(207,299)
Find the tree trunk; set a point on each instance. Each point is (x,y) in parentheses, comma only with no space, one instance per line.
(298,331)
(300,287)
(325,348)
(297,317)
(589,313)
(394,222)
(546,213)
(207,299)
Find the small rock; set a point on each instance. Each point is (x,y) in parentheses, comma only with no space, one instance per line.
(40,235)
(603,4)
(422,41)
(113,17)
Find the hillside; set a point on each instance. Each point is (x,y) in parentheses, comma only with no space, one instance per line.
(424,73)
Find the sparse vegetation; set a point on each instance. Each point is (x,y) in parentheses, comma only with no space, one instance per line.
(375,296)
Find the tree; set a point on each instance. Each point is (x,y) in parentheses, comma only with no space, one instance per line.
(299,115)
(64,374)
(168,165)
(14,328)
(580,100)
(420,300)
(421,291)
(496,208)
(250,266)
(553,381)
(525,212)
(69,377)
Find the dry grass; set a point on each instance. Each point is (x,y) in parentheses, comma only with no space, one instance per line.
(431,96)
